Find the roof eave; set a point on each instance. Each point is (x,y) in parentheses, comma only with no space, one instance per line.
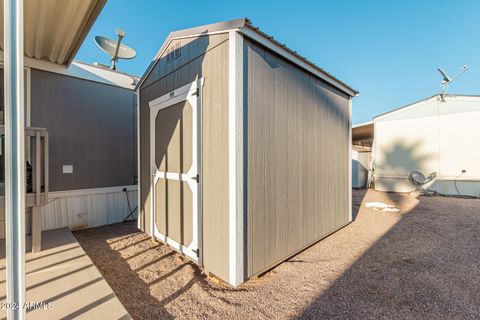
(85,30)
(249,30)
(244,26)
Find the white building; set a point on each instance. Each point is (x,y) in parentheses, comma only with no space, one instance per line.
(431,135)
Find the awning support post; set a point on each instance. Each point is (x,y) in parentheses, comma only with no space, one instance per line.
(14,158)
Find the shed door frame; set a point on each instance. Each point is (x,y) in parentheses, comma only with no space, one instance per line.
(191,93)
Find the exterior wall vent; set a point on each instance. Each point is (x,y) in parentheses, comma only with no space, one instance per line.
(174,52)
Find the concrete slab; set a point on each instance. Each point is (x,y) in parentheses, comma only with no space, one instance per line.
(63,282)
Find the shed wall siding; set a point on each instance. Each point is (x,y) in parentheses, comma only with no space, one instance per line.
(91,126)
(298,159)
(207,57)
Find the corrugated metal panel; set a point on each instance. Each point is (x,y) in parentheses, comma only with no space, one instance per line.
(55,29)
(87,211)
(82,209)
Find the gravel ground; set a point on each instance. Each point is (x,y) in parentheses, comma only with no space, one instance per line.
(420,262)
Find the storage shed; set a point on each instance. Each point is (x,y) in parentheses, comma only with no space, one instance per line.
(245,149)
(431,135)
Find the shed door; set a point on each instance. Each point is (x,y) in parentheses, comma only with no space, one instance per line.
(174,159)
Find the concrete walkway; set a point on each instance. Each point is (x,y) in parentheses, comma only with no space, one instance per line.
(64,282)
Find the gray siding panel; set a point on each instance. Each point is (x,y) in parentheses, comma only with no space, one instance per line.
(207,57)
(91,126)
(298,158)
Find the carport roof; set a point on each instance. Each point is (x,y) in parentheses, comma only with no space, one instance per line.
(362,134)
(54,30)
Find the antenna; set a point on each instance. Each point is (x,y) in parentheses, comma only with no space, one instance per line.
(115,49)
(447,80)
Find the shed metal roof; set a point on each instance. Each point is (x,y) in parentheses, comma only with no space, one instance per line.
(240,24)
(55,29)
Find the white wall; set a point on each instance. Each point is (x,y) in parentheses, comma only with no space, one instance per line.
(80,209)
(360,167)
(432,136)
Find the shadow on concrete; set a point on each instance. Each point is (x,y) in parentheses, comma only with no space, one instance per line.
(63,275)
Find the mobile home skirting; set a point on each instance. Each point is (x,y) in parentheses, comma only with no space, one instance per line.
(80,209)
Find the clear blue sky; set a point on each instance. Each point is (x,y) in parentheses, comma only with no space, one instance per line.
(388,50)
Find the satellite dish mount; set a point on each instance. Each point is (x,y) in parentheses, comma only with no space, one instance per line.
(120,34)
(447,80)
(115,49)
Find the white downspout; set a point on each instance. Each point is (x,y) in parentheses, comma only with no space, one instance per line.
(14,158)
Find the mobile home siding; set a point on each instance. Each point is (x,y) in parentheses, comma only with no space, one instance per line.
(439,139)
(298,158)
(91,126)
(207,57)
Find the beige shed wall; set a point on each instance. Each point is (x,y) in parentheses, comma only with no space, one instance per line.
(207,57)
(298,159)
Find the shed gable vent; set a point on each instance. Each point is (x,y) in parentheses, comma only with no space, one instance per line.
(173,52)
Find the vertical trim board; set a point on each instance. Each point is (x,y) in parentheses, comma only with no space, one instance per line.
(140,225)
(235,154)
(350,213)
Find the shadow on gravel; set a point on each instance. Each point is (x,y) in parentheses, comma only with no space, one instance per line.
(426,266)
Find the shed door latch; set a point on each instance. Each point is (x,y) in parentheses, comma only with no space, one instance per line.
(196,178)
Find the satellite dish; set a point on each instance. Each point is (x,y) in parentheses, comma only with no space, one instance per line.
(109,46)
(115,48)
(419,180)
(447,80)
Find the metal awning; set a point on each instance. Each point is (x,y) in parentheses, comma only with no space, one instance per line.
(55,29)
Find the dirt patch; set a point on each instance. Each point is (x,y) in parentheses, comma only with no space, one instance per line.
(420,262)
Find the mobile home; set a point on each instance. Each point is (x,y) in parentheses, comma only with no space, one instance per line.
(437,134)
(80,124)
(245,152)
